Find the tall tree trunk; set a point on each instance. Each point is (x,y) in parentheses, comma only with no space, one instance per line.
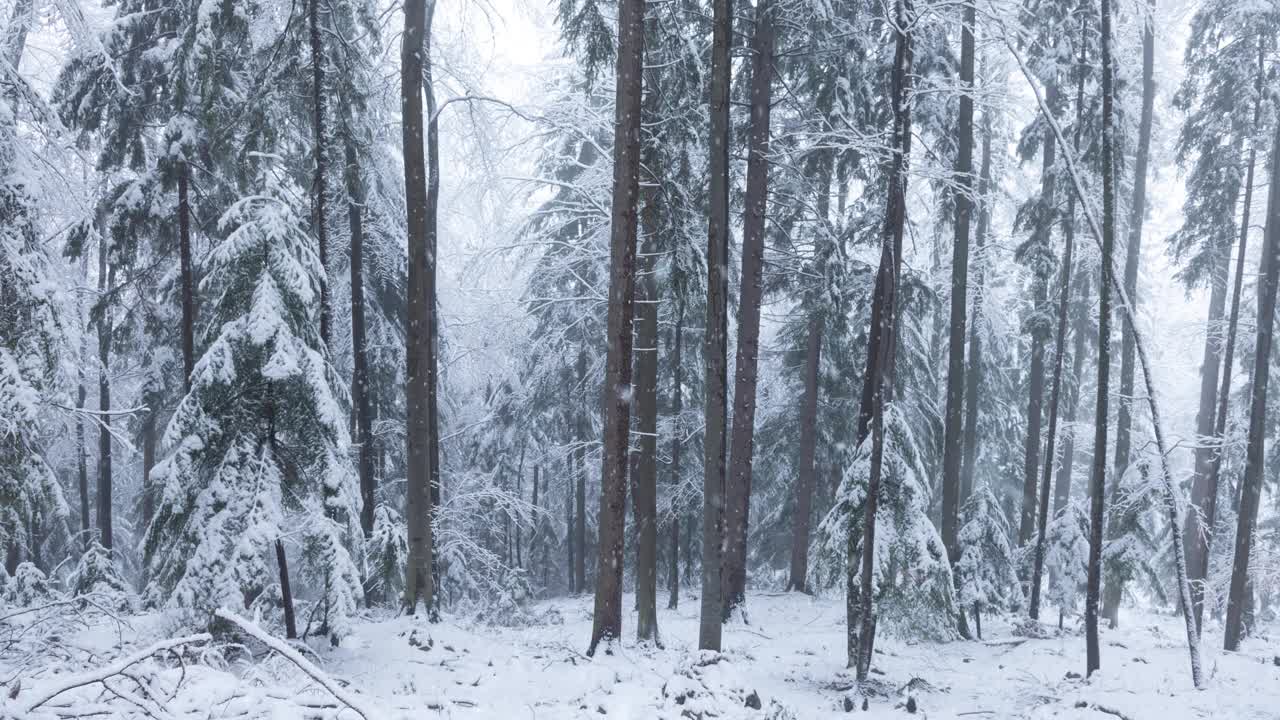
(187,276)
(286,594)
(537,521)
(644,461)
(106,286)
(715,352)
(419,583)
(953,433)
(319,179)
(1255,462)
(677,447)
(1137,213)
(1198,553)
(82,453)
(432,355)
(148,463)
(580,519)
(359,356)
(880,367)
(1062,484)
(1060,346)
(973,371)
(1098,474)
(738,487)
(607,625)
(808,449)
(1039,330)
(570,537)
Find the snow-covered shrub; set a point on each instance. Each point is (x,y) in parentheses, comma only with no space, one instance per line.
(914,596)
(1067,557)
(96,574)
(986,573)
(28,586)
(259,446)
(385,552)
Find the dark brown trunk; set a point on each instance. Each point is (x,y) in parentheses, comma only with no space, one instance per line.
(1137,213)
(359,357)
(432,356)
(677,447)
(106,286)
(953,431)
(715,352)
(1255,462)
(286,594)
(419,583)
(319,180)
(187,277)
(148,462)
(879,373)
(644,461)
(1098,474)
(973,371)
(738,487)
(808,449)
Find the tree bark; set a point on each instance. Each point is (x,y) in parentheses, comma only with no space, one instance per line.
(808,449)
(738,487)
(953,432)
(1198,559)
(419,583)
(1137,213)
(187,277)
(580,519)
(607,625)
(953,440)
(715,353)
(359,352)
(677,447)
(286,594)
(1098,475)
(1255,462)
(570,537)
(82,453)
(319,180)
(880,367)
(106,286)
(973,372)
(644,461)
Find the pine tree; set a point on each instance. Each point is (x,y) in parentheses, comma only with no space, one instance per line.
(985,571)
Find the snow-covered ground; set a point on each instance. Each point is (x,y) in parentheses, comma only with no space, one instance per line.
(788,661)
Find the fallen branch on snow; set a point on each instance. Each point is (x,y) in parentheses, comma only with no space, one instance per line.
(293,656)
(114,669)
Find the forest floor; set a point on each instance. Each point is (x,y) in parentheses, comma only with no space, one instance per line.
(789,661)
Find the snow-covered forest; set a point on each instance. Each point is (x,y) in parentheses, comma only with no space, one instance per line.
(639,359)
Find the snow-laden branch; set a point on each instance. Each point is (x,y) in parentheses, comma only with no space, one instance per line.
(1172,500)
(102,674)
(293,656)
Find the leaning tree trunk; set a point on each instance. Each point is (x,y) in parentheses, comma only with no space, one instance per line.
(738,486)
(1255,458)
(1199,571)
(419,583)
(1060,346)
(1137,211)
(953,433)
(319,181)
(715,352)
(1111,277)
(607,624)
(1039,332)
(1098,476)
(879,367)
